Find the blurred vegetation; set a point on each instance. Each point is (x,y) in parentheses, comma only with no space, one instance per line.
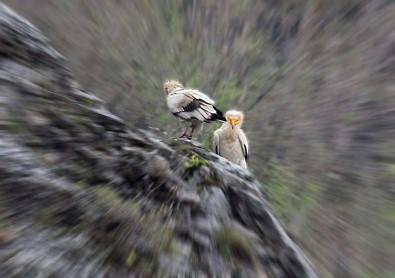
(314,77)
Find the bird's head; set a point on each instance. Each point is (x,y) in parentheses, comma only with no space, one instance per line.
(171,85)
(234,118)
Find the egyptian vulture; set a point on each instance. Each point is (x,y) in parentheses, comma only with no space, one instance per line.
(190,105)
(230,141)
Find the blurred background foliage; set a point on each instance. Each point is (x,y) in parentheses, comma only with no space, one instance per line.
(314,77)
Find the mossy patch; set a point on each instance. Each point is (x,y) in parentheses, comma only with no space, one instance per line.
(195,162)
(131,258)
(141,264)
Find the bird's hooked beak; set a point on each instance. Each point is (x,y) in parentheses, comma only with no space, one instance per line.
(233,121)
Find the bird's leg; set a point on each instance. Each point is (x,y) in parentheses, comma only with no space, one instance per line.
(184,134)
(192,131)
(196,126)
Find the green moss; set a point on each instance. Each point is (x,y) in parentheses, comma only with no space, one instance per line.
(195,162)
(143,265)
(131,258)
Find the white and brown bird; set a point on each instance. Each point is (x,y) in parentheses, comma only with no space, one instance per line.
(190,105)
(229,141)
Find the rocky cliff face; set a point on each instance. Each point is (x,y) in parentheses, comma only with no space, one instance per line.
(84,195)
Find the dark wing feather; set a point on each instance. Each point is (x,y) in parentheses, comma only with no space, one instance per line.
(244,144)
(193,105)
(246,153)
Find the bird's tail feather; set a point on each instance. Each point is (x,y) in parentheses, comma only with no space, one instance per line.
(218,116)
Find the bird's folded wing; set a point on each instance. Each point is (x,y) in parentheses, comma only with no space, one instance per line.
(216,142)
(244,144)
(200,96)
(191,104)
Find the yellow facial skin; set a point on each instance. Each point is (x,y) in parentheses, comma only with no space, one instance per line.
(233,121)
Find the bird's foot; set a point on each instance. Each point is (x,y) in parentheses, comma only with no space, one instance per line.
(184,135)
(189,137)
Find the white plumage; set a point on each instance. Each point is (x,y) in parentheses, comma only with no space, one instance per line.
(190,105)
(230,142)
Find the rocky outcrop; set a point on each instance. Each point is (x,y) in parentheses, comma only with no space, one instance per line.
(84,195)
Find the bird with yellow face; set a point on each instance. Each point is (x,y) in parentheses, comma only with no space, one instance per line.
(229,141)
